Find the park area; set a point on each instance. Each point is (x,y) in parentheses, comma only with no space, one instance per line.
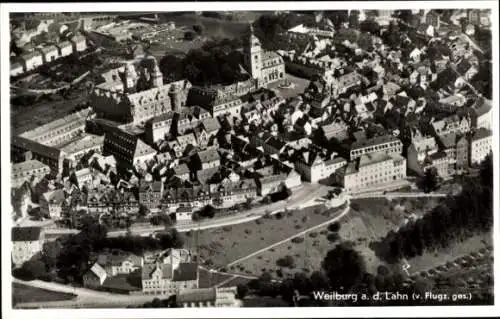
(221,246)
(368,219)
(22,293)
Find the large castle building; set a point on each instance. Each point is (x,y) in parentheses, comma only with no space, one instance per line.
(264,66)
(135,94)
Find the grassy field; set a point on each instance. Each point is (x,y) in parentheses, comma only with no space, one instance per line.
(220,246)
(370,219)
(22,293)
(208,279)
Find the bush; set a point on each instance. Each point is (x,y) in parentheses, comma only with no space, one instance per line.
(227,228)
(189,35)
(286,262)
(313,234)
(298,226)
(198,28)
(305,219)
(333,237)
(279,273)
(279,215)
(258,221)
(248,231)
(335,227)
(297,240)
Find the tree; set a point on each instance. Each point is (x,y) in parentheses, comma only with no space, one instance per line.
(286,261)
(198,28)
(430,181)
(189,35)
(208,211)
(241,291)
(144,210)
(344,266)
(370,26)
(486,171)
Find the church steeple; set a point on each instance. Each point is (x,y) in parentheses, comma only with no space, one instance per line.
(156,75)
(253,54)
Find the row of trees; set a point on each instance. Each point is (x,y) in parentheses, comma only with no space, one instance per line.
(214,63)
(456,219)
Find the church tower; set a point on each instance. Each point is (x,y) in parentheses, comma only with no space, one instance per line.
(253,55)
(130,78)
(156,75)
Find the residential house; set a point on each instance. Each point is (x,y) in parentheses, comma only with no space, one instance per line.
(16,69)
(49,53)
(50,203)
(207,298)
(169,279)
(270,184)
(150,194)
(82,177)
(182,171)
(26,243)
(95,277)
(387,143)
(107,199)
(313,168)
(454,100)
(441,162)
(208,158)
(419,149)
(31,60)
(374,170)
(293,179)
(451,124)
(433,18)
(335,130)
(230,193)
(195,196)
(481,114)
(185,140)
(21,199)
(126,146)
(31,171)
(117,262)
(480,145)
(79,43)
(184,215)
(158,127)
(65,48)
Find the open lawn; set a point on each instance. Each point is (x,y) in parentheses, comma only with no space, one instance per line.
(369,219)
(236,281)
(220,246)
(22,293)
(208,279)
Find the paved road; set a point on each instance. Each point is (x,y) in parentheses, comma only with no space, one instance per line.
(399,195)
(344,212)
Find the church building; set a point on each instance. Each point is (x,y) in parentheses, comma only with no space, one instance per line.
(264,66)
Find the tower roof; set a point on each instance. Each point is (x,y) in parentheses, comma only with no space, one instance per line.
(252,39)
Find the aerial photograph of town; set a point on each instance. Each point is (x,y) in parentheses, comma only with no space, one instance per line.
(334,158)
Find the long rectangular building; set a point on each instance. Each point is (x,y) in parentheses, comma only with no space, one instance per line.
(372,170)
